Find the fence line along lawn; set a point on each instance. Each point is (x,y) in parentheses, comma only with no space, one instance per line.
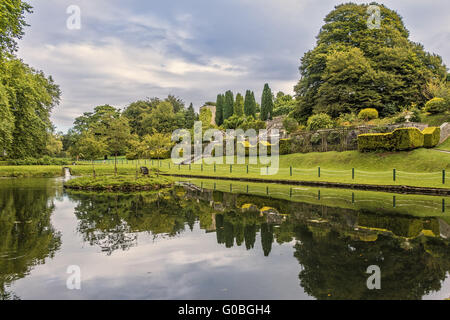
(421,168)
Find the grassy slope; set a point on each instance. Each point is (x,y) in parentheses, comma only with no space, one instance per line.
(444,145)
(421,167)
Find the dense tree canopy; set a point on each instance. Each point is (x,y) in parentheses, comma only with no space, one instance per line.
(12,22)
(30,97)
(353,67)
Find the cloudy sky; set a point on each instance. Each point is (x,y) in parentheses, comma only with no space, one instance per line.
(194,49)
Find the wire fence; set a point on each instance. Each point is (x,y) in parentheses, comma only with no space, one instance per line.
(394,175)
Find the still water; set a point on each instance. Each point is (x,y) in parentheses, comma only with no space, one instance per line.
(215,240)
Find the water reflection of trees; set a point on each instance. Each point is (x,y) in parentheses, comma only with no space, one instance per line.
(26,236)
(334,265)
(334,246)
(112,220)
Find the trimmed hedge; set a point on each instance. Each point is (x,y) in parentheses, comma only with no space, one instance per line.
(399,139)
(431,136)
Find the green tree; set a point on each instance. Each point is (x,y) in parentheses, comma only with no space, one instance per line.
(91,148)
(31,97)
(239,105)
(6,122)
(162,119)
(228,105)
(284,104)
(135,113)
(118,138)
(352,66)
(54,145)
(157,145)
(177,103)
(190,116)
(266,103)
(12,22)
(249,104)
(219,109)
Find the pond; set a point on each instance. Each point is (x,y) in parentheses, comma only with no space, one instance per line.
(216,240)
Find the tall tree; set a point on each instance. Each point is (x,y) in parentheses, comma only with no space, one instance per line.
(90,147)
(228,106)
(118,137)
(250,104)
(177,103)
(239,105)
(388,71)
(12,22)
(190,117)
(31,97)
(135,113)
(6,122)
(266,103)
(219,109)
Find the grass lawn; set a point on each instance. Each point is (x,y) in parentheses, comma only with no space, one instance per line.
(420,167)
(444,145)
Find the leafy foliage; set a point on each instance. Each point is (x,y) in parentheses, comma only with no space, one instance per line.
(353,66)
(437,105)
(368,114)
(319,121)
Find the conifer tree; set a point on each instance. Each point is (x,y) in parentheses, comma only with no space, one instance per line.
(239,105)
(219,109)
(228,106)
(266,103)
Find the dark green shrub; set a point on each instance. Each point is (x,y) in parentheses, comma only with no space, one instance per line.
(334,137)
(316,138)
(285,146)
(290,124)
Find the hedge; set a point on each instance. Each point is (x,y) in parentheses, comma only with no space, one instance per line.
(431,136)
(399,139)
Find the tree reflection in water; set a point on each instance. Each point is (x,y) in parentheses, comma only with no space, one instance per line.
(27,237)
(334,246)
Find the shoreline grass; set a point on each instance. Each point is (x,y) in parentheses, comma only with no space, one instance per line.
(119,183)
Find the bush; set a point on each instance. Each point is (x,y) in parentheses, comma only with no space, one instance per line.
(316,139)
(285,146)
(290,125)
(431,137)
(319,121)
(334,137)
(368,114)
(399,139)
(44,161)
(436,105)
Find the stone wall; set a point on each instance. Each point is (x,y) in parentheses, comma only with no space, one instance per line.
(445,131)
